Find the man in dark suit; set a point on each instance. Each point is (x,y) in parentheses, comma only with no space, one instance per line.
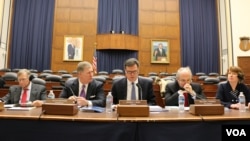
(84,89)
(122,89)
(71,49)
(183,84)
(26,91)
(159,52)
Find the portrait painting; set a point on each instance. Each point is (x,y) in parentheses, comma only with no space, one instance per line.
(160,51)
(73,48)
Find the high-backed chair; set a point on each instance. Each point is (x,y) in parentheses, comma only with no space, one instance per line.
(39,81)
(62,72)
(211,80)
(43,75)
(103,73)
(117,71)
(54,81)
(163,74)
(47,71)
(5,70)
(99,78)
(200,73)
(213,74)
(10,76)
(152,74)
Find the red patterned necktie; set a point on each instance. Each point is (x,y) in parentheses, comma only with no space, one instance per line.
(24,96)
(186,99)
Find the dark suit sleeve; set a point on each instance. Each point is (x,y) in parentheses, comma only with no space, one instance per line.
(150,92)
(171,95)
(97,96)
(198,90)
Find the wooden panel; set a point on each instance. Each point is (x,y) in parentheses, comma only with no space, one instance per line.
(158,19)
(243,63)
(117,41)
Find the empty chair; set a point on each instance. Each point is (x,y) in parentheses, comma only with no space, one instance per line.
(117,71)
(213,74)
(100,78)
(9,76)
(53,78)
(5,70)
(34,74)
(171,78)
(202,77)
(47,71)
(55,81)
(38,81)
(117,77)
(103,73)
(62,72)
(66,76)
(211,80)
(200,73)
(154,78)
(33,71)
(223,78)
(15,70)
(43,75)
(163,74)
(152,74)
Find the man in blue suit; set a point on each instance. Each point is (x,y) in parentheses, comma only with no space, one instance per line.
(122,89)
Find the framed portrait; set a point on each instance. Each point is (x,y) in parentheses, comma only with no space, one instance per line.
(160,51)
(73,48)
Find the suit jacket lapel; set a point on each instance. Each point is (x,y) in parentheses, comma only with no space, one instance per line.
(17,94)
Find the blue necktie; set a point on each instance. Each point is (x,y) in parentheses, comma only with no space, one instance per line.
(133,92)
(83,92)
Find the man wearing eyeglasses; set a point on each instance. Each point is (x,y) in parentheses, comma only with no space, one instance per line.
(183,84)
(133,86)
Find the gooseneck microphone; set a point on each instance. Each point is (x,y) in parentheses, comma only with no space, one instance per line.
(70,90)
(140,90)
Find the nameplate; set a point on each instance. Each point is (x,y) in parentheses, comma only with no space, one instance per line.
(207,101)
(133,108)
(60,107)
(60,101)
(206,109)
(132,102)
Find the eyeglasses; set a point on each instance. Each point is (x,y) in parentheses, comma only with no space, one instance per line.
(132,72)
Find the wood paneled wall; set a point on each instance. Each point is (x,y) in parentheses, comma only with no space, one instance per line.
(158,19)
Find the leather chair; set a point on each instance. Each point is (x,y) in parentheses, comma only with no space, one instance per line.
(211,80)
(47,71)
(39,81)
(152,74)
(163,74)
(56,81)
(5,70)
(103,73)
(44,75)
(117,71)
(200,73)
(100,78)
(62,72)
(213,74)
(10,76)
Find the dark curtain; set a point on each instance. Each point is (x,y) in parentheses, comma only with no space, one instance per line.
(118,15)
(32,34)
(113,59)
(199,35)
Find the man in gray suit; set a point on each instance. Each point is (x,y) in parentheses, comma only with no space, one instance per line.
(26,91)
(84,89)
(122,89)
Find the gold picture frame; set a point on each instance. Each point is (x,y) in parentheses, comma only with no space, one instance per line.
(73,48)
(160,55)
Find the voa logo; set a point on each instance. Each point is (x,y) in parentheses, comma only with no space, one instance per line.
(236,132)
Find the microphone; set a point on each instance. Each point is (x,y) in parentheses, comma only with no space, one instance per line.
(140,90)
(71,90)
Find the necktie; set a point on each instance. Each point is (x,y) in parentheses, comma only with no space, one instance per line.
(24,96)
(186,99)
(133,92)
(83,92)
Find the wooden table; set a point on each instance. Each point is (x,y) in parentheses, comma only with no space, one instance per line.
(166,125)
